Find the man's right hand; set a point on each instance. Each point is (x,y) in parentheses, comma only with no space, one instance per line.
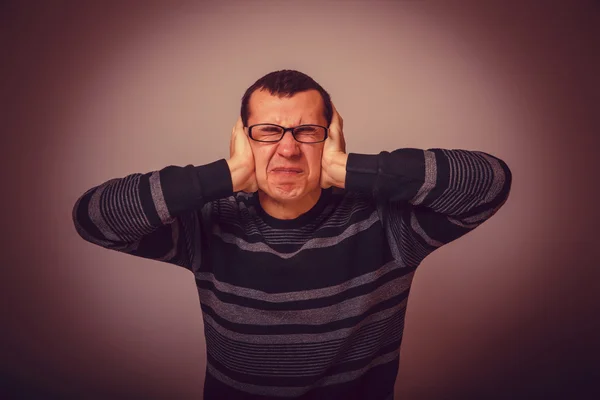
(241,160)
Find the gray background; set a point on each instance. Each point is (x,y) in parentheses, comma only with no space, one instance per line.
(94,92)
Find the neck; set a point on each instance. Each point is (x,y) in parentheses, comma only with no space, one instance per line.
(288,209)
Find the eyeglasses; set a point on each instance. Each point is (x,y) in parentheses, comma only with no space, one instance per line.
(271,133)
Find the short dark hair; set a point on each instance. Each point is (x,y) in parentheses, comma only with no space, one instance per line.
(286,83)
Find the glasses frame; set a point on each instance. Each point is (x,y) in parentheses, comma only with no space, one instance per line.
(285,130)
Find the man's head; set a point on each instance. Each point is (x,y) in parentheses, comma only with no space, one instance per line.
(287,98)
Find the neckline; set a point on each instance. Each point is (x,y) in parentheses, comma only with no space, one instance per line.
(299,221)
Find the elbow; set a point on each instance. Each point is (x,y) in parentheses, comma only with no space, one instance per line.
(77,219)
(82,220)
(505,191)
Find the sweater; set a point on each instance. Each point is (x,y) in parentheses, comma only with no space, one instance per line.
(307,308)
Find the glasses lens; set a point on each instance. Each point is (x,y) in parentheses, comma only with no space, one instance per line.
(309,133)
(266,133)
(303,133)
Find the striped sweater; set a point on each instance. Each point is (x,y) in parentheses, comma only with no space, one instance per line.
(309,308)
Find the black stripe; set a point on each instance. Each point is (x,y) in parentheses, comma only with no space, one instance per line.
(262,380)
(443,177)
(294,359)
(275,350)
(214,389)
(402,173)
(155,244)
(303,304)
(375,384)
(83,217)
(146,199)
(288,329)
(436,226)
(109,208)
(294,381)
(363,362)
(264,233)
(499,199)
(181,188)
(310,269)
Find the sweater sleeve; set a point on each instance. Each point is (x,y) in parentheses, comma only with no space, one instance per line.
(428,198)
(152,215)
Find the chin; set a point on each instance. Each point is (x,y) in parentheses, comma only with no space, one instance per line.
(286,192)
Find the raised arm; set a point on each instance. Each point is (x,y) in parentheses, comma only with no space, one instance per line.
(151,215)
(428,198)
(155,215)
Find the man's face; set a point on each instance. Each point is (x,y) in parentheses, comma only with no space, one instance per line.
(302,108)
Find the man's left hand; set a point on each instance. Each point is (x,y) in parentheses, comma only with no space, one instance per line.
(333,161)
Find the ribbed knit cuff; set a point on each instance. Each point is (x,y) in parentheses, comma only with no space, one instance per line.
(361,172)
(215,180)
(394,176)
(190,187)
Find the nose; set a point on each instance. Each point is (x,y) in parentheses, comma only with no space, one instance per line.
(288,146)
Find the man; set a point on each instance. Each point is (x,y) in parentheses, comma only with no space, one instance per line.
(303,255)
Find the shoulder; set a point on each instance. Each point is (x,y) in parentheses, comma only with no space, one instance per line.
(346,201)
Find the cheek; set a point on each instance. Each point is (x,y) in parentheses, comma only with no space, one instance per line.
(262,157)
(313,159)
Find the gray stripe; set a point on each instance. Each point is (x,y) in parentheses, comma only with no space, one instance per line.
(293,391)
(391,238)
(159,199)
(414,223)
(310,244)
(299,295)
(494,190)
(430,178)
(306,359)
(499,178)
(443,204)
(462,223)
(298,364)
(140,225)
(475,220)
(316,316)
(452,195)
(95,213)
(286,236)
(473,174)
(82,232)
(230,213)
(457,198)
(121,208)
(140,218)
(363,333)
(304,337)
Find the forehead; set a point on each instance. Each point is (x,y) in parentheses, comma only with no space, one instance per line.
(302,108)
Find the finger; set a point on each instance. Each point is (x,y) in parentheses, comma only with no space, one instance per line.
(334,114)
(336,117)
